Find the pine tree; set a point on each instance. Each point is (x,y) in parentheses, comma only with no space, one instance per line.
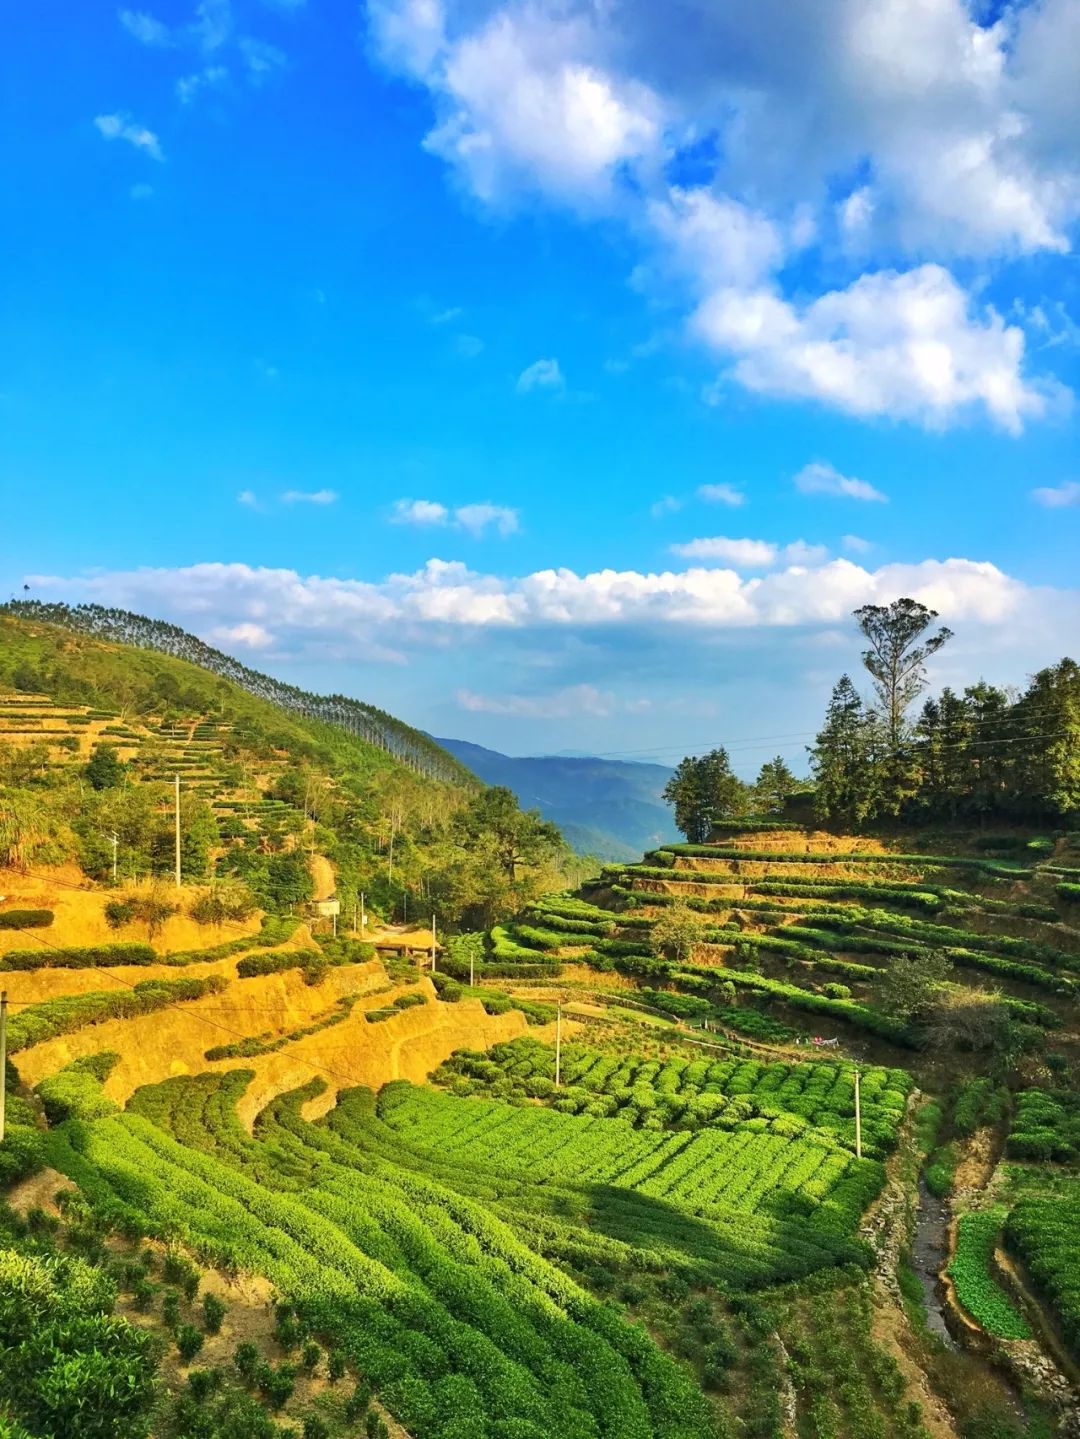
(841,759)
(702,790)
(774,784)
(1047,726)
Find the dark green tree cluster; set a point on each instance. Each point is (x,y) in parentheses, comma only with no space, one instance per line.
(704,789)
(983,754)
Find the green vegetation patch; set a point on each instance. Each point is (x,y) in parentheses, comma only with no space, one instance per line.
(976,1288)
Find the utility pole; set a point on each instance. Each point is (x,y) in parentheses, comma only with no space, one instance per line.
(404,906)
(3,1062)
(472,968)
(858,1117)
(363,915)
(433,944)
(558,1044)
(178,831)
(114,840)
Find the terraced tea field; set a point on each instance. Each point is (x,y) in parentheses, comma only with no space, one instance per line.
(649,1218)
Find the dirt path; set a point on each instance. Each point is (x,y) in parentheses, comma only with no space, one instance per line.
(38,1192)
(323,877)
(891,1330)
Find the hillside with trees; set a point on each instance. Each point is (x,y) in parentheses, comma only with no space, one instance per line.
(93,733)
(774,1134)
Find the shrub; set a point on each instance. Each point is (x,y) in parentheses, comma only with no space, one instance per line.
(178,1269)
(204,1382)
(277,1385)
(152,907)
(26,918)
(310,1356)
(335,1366)
(84,957)
(189,1341)
(315,1427)
(246,1361)
(213,1313)
(227,901)
(170,1309)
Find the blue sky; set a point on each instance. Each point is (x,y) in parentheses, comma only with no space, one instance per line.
(551,378)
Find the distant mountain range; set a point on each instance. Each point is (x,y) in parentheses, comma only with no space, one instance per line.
(610,808)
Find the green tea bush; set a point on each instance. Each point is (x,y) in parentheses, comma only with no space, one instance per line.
(26,918)
(53,1017)
(1045,1233)
(86,957)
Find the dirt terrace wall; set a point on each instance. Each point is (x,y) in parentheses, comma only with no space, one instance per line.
(79,907)
(174,1041)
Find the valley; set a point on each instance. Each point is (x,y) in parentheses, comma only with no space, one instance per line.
(774,1134)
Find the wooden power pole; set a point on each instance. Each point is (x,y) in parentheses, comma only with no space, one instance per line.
(858,1117)
(558,1045)
(177,829)
(3,1062)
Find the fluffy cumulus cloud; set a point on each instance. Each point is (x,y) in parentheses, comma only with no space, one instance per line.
(750,554)
(881,144)
(801,588)
(904,344)
(475,519)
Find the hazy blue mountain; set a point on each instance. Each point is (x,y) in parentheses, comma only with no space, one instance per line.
(610,808)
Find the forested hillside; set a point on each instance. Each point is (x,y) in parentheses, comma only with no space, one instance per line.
(610,808)
(773,1134)
(93,732)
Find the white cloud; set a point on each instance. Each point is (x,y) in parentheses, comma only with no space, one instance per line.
(750,554)
(478,518)
(419,512)
(122,127)
(541,375)
(715,239)
(818,478)
(469,346)
(666,505)
(249,636)
(520,104)
(583,699)
(1058,497)
(248,498)
(212,25)
(722,494)
(261,58)
(475,519)
(145,28)
(743,554)
(900,344)
(446,317)
(962,136)
(445,598)
(188,86)
(309,497)
(856,545)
